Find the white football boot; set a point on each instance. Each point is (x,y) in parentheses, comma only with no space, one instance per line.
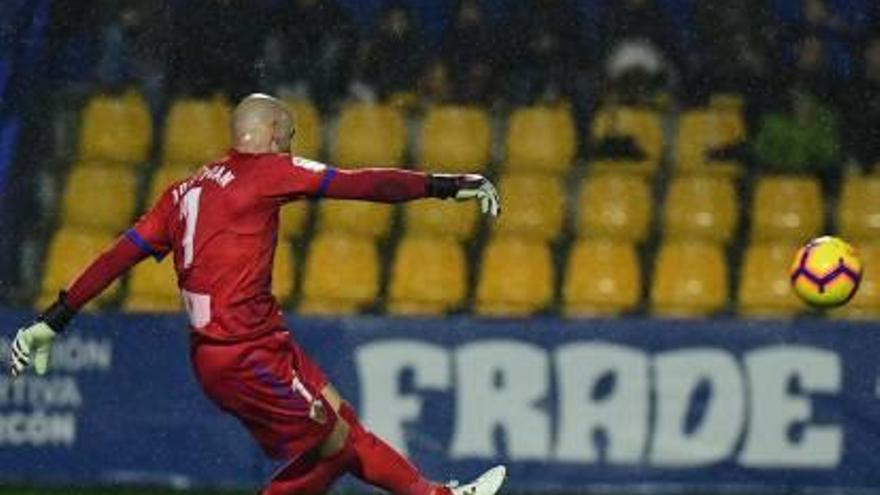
(487,484)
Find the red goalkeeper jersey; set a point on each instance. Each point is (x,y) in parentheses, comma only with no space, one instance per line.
(221,225)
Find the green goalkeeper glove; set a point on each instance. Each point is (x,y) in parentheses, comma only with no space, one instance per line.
(33,345)
(464,187)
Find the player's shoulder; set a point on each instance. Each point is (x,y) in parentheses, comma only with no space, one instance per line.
(287,160)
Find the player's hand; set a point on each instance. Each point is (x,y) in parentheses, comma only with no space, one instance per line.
(465,187)
(32,345)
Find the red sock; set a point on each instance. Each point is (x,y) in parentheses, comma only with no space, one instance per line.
(380,465)
(310,475)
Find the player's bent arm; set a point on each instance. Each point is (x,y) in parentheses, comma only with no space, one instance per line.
(389,185)
(32,344)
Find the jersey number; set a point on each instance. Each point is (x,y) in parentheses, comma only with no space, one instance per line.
(189,210)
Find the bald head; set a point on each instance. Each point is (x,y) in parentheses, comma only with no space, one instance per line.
(261,124)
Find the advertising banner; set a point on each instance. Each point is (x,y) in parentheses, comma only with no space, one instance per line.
(567,405)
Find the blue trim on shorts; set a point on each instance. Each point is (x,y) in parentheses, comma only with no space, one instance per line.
(143,245)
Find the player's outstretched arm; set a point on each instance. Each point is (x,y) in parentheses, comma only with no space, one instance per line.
(32,345)
(390,185)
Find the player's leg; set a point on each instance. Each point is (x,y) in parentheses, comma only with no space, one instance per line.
(379,464)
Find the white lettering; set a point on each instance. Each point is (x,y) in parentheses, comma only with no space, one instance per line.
(38,429)
(499,385)
(381,366)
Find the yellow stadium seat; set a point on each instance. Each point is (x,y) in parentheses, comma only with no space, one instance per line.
(642,125)
(765,287)
(516,278)
(283,272)
(541,139)
(533,206)
(99,197)
(68,254)
(455,139)
(196,131)
(727,102)
(341,276)
(429,277)
(858,214)
(309,138)
(354,217)
(152,288)
(441,219)
(293,219)
(164,177)
(369,135)
(702,131)
(865,305)
(690,279)
(603,279)
(115,129)
(701,207)
(616,206)
(787,208)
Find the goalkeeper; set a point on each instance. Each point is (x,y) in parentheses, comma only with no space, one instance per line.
(221,226)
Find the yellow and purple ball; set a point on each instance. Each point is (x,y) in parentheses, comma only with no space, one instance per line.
(826,272)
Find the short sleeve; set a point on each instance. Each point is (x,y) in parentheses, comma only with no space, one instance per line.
(290,178)
(151,231)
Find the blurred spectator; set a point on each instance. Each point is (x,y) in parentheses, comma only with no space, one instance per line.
(73,41)
(435,85)
(135,47)
(802,138)
(315,45)
(469,50)
(216,47)
(547,47)
(638,43)
(811,71)
(391,62)
(817,19)
(863,108)
(734,47)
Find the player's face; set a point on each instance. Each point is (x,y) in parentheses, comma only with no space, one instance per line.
(283,133)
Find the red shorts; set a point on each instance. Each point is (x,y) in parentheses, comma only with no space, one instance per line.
(271,386)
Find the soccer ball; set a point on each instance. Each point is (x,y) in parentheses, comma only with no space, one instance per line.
(826,272)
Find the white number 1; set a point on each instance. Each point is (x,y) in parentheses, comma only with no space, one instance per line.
(189,211)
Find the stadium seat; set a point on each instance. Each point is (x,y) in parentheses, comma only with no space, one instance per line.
(858,214)
(292,222)
(196,131)
(369,135)
(68,254)
(541,139)
(533,206)
(115,129)
(701,207)
(786,208)
(690,279)
(603,278)
(308,139)
(164,177)
(428,277)
(615,206)
(99,197)
(642,125)
(283,272)
(702,131)
(516,278)
(455,139)
(765,287)
(152,288)
(440,219)
(355,217)
(341,275)
(865,305)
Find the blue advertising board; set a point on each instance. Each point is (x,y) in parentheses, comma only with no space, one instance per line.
(567,405)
